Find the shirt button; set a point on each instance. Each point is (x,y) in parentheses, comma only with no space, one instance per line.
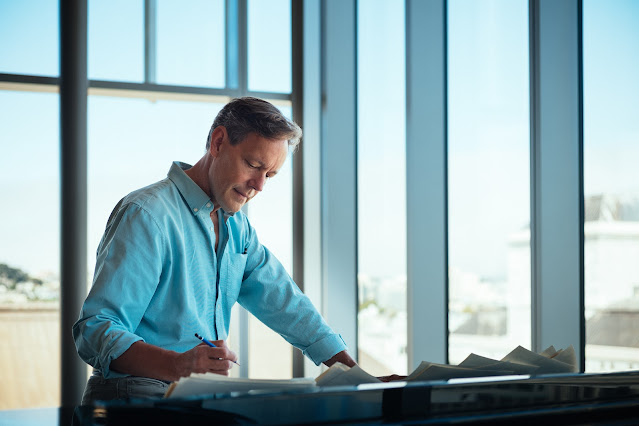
(211,229)
(195,209)
(208,204)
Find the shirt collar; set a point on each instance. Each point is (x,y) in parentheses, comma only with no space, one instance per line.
(191,192)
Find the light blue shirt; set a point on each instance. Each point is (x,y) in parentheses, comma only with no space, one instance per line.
(159,278)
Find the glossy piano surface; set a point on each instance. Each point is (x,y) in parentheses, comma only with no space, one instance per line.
(573,399)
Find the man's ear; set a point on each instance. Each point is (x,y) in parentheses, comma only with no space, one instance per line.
(217,140)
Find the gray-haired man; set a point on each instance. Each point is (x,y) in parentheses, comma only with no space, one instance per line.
(178,254)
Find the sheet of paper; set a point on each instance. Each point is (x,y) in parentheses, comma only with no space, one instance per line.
(332,372)
(567,356)
(349,376)
(480,362)
(209,383)
(445,372)
(549,352)
(546,365)
(420,368)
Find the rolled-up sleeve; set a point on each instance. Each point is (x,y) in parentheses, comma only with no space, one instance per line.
(325,348)
(128,268)
(269,293)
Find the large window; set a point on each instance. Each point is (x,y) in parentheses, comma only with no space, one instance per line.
(193,68)
(29,250)
(611,183)
(489,207)
(29,219)
(381,188)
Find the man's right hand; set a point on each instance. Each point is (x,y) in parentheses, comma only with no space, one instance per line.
(145,360)
(205,359)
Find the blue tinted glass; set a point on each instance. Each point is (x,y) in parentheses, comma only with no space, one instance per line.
(269,46)
(29,37)
(116,52)
(190,44)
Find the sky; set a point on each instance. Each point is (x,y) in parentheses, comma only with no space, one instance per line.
(133,141)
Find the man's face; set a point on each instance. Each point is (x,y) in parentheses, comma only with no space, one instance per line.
(239,172)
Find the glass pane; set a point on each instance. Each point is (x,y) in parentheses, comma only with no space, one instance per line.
(29,37)
(489,179)
(116,52)
(269,46)
(29,252)
(611,189)
(271,214)
(381,173)
(190,43)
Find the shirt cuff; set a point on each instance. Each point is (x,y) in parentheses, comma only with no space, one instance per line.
(116,349)
(325,348)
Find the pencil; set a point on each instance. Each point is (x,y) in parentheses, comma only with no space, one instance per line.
(210,344)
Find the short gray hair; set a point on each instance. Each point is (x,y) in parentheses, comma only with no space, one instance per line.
(247,115)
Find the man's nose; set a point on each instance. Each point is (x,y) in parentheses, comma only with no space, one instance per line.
(258,182)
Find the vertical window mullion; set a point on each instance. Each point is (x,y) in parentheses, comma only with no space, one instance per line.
(310,156)
(150,41)
(297,97)
(236,46)
(339,164)
(556,176)
(73,200)
(236,81)
(426,181)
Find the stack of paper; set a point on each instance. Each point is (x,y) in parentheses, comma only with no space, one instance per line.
(209,383)
(550,361)
(519,361)
(340,374)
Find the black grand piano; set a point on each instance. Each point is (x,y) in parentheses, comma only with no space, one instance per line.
(566,399)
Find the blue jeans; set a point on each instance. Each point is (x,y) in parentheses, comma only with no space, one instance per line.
(99,388)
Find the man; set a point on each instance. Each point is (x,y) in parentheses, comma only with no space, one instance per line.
(177,255)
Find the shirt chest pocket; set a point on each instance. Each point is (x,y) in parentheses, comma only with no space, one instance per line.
(232,280)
